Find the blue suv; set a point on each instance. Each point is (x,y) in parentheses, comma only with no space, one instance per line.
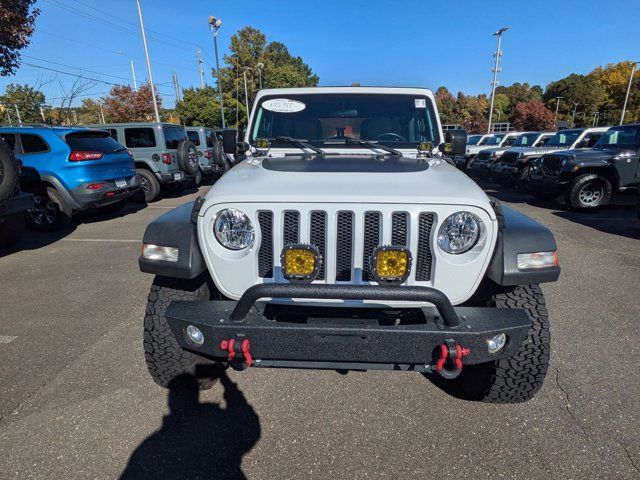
(70,169)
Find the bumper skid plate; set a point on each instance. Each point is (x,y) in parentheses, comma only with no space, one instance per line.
(313,341)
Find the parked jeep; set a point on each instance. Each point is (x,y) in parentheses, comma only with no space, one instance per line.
(70,169)
(344,240)
(587,178)
(514,163)
(163,155)
(13,203)
(494,140)
(211,158)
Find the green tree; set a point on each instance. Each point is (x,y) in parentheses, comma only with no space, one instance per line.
(17,20)
(519,93)
(89,112)
(580,92)
(27,99)
(472,112)
(446,106)
(614,79)
(199,107)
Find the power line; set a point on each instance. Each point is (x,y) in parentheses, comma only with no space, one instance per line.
(77,68)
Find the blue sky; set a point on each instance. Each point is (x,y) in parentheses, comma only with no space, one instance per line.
(375,42)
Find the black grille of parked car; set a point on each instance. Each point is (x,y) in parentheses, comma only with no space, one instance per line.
(552,162)
(509,158)
(483,155)
(343,228)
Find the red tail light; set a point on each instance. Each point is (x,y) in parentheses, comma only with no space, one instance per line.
(84,156)
(208,154)
(95,186)
(167,158)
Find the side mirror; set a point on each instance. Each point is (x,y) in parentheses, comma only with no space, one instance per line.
(458,141)
(230,141)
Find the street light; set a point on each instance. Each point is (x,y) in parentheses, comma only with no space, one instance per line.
(555,120)
(496,69)
(214,26)
(146,54)
(626,98)
(260,67)
(246,94)
(575,109)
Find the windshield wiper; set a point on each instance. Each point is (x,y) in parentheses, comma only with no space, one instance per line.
(371,145)
(300,143)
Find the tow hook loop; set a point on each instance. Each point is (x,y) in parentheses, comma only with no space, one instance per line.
(232,347)
(451,355)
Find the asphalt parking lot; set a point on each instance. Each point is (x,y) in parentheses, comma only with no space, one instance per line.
(77,402)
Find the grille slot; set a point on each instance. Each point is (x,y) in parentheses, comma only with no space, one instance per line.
(425,260)
(400,229)
(344,246)
(265,254)
(372,231)
(291,228)
(318,237)
(552,162)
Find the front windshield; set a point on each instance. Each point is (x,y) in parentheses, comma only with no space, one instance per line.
(473,139)
(526,140)
(620,137)
(485,140)
(565,138)
(495,140)
(396,120)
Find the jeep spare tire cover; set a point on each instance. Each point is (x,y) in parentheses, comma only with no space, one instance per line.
(188,156)
(219,157)
(8,172)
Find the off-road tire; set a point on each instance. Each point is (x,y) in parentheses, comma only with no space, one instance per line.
(187,154)
(518,378)
(11,229)
(575,194)
(197,178)
(151,184)
(167,362)
(51,201)
(8,172)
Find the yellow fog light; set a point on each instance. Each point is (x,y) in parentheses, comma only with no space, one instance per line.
(262,143)
(425,147)
(300,262)
(391,264)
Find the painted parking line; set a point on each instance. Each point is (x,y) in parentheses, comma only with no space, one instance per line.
(99,240)
(7,338)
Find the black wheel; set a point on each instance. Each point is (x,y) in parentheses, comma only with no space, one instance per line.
(8,172)
(11,229)
(149,187)
(187,154)
(113,207)
(175,188)
(588,191)
(197,178)
(168,364)
(49,212)
(518,378)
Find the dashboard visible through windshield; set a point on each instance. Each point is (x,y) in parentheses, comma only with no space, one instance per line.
(396,120)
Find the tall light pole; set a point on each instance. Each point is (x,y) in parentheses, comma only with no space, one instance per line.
(214,25)
(595,119)
(246,93)
(200,68)
(133,73)
(496,69)
(626,98)
(260,67)
(146,54)
(573,119)
(555,119)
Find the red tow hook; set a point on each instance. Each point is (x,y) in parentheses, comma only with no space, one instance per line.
(232,347)
(452,353)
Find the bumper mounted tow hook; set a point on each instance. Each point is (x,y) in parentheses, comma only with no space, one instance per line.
(450,355)
(233,347)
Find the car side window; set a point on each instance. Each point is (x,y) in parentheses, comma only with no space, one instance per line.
(194,137)
(33,143)
(211,139)
(590,139)
(9,139)
(139,137)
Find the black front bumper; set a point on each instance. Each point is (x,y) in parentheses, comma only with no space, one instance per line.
(480,168)
(321,337)
(542,179)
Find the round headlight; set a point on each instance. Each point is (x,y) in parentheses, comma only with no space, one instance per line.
(459,232)
(233,229)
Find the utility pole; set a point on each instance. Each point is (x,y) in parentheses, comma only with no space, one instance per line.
(42,114)
(18,114)
(75,117)
(496,69)
(555,120)
(626,98)
(101,113)
(214,25)
(260,67)
(133,72)
(573,119)
(595,119)
(8,116)
(246,94)
(176,86)
(200,68)
(146,54)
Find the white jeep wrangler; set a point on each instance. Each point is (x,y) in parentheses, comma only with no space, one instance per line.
(344,239)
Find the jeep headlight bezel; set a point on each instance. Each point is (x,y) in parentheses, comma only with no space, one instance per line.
(459,233)
(233,229)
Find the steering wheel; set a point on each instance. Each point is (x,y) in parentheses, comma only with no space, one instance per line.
(391,136)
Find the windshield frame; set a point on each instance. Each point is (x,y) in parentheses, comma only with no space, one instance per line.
(561,132)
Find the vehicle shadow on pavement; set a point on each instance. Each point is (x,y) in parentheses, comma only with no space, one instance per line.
(32,240)
(614,220)
(198,440)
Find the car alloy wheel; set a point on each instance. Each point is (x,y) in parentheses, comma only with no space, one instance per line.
(192,157)
(591,194)
(44,211)
(144,185)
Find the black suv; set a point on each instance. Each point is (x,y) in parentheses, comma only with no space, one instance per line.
(587,178)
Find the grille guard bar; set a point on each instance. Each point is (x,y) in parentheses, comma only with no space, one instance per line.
(346,292)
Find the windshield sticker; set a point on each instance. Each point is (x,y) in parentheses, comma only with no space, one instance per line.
(421,103)
(283,105)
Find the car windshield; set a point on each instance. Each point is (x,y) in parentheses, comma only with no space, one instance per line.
(396,120)
(495,140)
(526,140)
(620,137)
(474,139)
(484,140)
(98,141)
(566,138)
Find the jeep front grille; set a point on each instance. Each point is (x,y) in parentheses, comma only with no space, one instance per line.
(483,155)
(336,234)
(552,162)
(509,158)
